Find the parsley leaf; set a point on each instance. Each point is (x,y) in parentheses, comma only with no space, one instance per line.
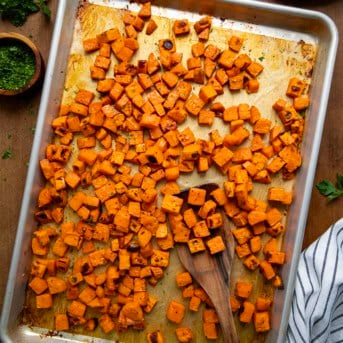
(17,11)
(339,179)
(328,189)
(45,8)
(7,154)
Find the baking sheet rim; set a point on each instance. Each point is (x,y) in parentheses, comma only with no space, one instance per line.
(24,211)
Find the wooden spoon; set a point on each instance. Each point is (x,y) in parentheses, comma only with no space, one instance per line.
(212,272)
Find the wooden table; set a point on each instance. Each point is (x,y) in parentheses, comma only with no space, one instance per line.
(18,117)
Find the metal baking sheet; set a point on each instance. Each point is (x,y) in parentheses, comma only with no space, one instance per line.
(254,17)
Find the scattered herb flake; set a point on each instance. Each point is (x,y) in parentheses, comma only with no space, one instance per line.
(7,154)
(261,58)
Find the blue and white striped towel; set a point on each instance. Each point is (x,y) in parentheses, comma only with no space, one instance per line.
(317,308)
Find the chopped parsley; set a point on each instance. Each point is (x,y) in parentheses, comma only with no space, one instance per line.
(17,65)
(7,154)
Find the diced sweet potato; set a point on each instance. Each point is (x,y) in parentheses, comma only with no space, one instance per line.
(175,312)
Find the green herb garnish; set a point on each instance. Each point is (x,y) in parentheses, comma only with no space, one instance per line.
(330,190)
(17,11)
(261,58)
(7,154)
(17,65)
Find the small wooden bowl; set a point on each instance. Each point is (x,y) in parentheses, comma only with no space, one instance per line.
(12,36)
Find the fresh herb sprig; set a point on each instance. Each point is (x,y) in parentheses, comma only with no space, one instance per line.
(17,11)
(329,189)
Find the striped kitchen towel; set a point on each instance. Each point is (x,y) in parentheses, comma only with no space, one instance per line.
(317,308)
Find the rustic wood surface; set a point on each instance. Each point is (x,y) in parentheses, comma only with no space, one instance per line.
(18,118)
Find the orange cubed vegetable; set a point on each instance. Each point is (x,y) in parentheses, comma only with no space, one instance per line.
(216,245)
(184,334)
(61,322)
(243,289)
(210,330)
(247,313)
(267,270)
(235,304)
(44,300)
(262,321)
(171,204)
(183,279)
(175,312)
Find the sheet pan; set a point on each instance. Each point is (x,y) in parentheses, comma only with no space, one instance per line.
(259,17)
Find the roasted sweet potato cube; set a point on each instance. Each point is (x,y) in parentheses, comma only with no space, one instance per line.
(171,204)
(91,44)
(251,262)
(277,257)
(267,270)
(202,24)
(102,62)
(77,309)
(227,59)
(254,69)
(211,52)
(301,103)
(181,27)
(243,289)
(56,285)
(97,73)
(236,82)
(61,322)
(216,245)
(84,97)
(196,245)
(278,194)
(207,93)
(124,54)
(196,196)
(247,313)
(160,258)
(255,244)
(183,279)
(206,117)
(44,300)
(106,323)
(200,229)
(194,104)
(222,156)
(210,330)
(295,87)
(262,321)
(242,250)
(214,221)
(255,217)
(263,303)
(198,49)
(235,304)
(235,43)
(38,285)
(207,209)
(175,312)
(184,334)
